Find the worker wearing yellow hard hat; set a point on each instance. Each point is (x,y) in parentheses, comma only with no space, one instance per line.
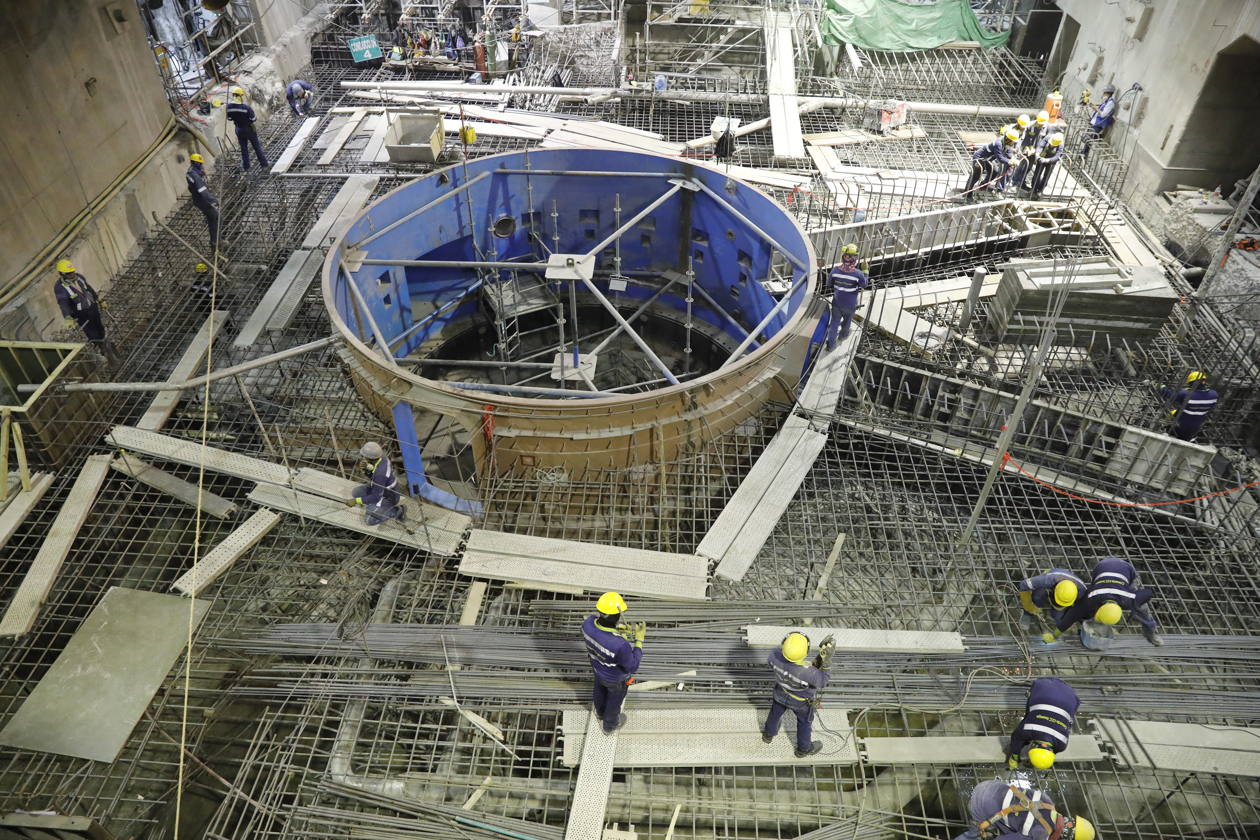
(243,117)
(1189,407)
(1046,726)
(1050,153)
(796,686)
(1114,589)
(990,163)
(1046,596)
(1031,139)
(81,306)
(1016,808)
(615,651)
(846,282)
(202,198)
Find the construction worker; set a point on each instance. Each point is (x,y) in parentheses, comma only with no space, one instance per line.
(1015,810)
(615,651)
(990,162)
(202,287)
(81,305)
(1052,592)
(796,687)
(1104,115)
(1043,162)
(1046,726)
(846,280)
(203,199)
(1112,590)
(246,134)
(1022,125)
(1190,406)
(1030,142)
(379,498)
(299,95)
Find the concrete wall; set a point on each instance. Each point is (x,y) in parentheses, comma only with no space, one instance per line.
(1172,61)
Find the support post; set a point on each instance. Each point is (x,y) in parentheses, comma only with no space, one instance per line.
(413,465)
(382,343)
(634,220)
(19,448)
(973,298)
(612,310)
(4,456)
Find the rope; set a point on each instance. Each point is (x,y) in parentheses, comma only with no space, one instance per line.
(1007,458)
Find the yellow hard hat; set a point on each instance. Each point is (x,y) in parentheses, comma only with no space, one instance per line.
(201,268)
(849,249)
(1065,593)
(1012,135)
(1195,376)
(216,102)
(795,647)
(610,603)
(196,158)
(1025,120)
(65,267)
(1084,829)
(1043,117)
(240,91)
(1108,613)
(1041,758)
(1056,139)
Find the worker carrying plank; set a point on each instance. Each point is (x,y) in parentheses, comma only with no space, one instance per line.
(1015,810)
(379,498)
(1052,593)
(1046,726)
(1190,406)
(796,687)
(846,280)
(615,651)
(1114,588)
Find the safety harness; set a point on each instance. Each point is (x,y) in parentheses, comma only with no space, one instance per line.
(1019,802)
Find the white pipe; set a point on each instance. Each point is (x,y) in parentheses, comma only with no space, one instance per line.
(853,56)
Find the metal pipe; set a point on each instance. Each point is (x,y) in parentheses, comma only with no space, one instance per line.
(459,264)
(749,223)
(634,220)
(367,313)
(435,202)
(524,390)
(636,314)
(407,333)
(756,331)
(411,360)
(586,172)
(612,310)
(973,298)
(720,311)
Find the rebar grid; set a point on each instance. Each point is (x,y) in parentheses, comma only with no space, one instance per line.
(994,77)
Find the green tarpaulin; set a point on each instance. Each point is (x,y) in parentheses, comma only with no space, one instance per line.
(894,26)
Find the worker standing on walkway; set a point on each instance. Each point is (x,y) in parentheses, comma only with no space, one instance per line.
(615,652)
(1046,726)
(1190,406)
(796,687)
(1043,163)
(203,199)
(379,498)
(1017,811)
(1114,588)
(1052,592)
(246,133)
(81,305)
(846,280)
(990,162)
(1104,115)
(300,97)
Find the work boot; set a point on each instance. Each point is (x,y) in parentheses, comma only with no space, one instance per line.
(621,721)
(1152,637)
(767,739)
(814,749)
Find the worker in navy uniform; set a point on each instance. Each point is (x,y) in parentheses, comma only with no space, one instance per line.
(203,199)
(1190,406)
(1023,125)
(81,305)
(615,651)
(846,280)
(1030,142)
(1017,811)
(1102,118)
(299,95)
(1043,163)
(1052,593)
(379,498)
(1046,725)
(202,287)
(246,134)
(796,687)
(1113,589)
(990,161)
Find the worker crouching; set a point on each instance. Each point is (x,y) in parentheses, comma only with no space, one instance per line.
(1048,594)
(1008,810)
(615,651)
(796,687)
(1046,726)
(1113,590)
(379,498)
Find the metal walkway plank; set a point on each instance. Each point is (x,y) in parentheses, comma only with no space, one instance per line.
(344,206)
(20,505)
(292,150)
(271,299)
(822,390)
(187,367)
(282,317)
(982,749)
(1185,747)
(209,567)
(346,132)
(190,452)
(185,491)
(335,513)
(708,737)
(20,617)
(594,781)
(849,638)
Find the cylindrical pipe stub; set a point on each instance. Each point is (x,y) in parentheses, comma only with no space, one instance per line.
(973,297)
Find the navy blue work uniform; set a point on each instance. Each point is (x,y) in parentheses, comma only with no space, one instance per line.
(1048,715)
(1043,165)
(1031,814)
(1104,116)
(615,661)
(987,162)
(380,496)
(79,301)
(1190,409)
(246,134)
(203,199)
(847,280)
(292,93)
(1037,592)
(1112,580)
(795,687)
(1029,143)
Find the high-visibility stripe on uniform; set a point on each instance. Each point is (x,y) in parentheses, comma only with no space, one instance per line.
(1037,726)
(1118,593)
(1115,575)
(1046,707)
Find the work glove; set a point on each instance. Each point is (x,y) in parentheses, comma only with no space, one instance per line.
(825,651)
(1012,761)
(351,502)
(69,323)
(104,304)
(866,266)
(640,632)
(1050,637)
